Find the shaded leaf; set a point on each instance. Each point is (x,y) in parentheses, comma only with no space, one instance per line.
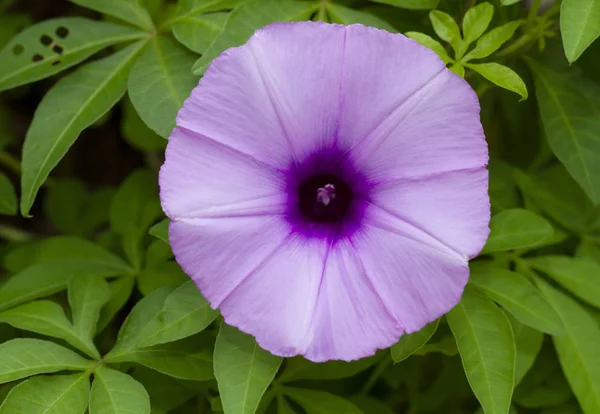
(409,344)
(114,392)
(579,26)
(529,342)
(120,291)
(321,402)
(128,11)
(136,132)
(299,368)
(345,15)
(8,197)
(516,229)
(161,230)
(411,4)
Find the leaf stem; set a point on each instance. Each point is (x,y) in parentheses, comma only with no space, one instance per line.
(14,234)
(10,162)
(377,372)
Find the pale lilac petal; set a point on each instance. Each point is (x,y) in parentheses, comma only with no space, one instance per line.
(350,319)
(403,113)
(452,207)
(273,98)
(201,178)
(418,278)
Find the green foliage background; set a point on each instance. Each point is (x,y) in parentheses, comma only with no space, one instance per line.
(96,316)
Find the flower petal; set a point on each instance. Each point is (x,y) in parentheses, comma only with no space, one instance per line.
(274,96)
(202,178)
(403,113)
(418,278)
(452,207)
(350,320)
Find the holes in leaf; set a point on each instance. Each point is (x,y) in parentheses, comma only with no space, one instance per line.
(57,49)
(56,62)
(37,58)
(45,40)
(62,32)
(18,49)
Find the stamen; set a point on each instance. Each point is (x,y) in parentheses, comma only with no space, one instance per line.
(326,194)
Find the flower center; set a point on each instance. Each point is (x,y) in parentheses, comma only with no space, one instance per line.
(324,198)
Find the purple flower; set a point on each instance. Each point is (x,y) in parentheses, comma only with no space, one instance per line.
(327,186)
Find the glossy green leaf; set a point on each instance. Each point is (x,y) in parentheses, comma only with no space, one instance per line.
(56,394)
(83,96)
(26,58)
(87,294)
(518,296)
(197,31)
(346,15)
(161,230)
(47,318)
(516,229)
(8,197)
(249,17)
(493,40)
(487,349)
(502,76)
(446,28)
(579,26)
(459,69)
(476,21)
(160,81)
(578,274)
(23,357)
(529,342)
(321,402)
(409,344)
(126,10)
(243,370)
(120,291)
(570,112)
(431,43)
(299,368)
(411,4)
(11,24)
(133,210)
(578,348)
(114,392)
(184,313)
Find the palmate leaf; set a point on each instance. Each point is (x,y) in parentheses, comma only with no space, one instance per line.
(120,291)
(431,43)
(321,402)
(516,229)
(23,357)
(70,40)
(83,96)
(529,343)
(493,40)
(249,17)
(128,11)
(476,21)
(198,31)
(161,230)
(570,112)
(114,392)
(578,348)
(502,76)
(160,81)
(487,349)
(243,370)
(166,393)
(579,26)
(87,294)
(56,394)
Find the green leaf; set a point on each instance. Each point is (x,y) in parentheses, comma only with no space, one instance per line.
(529,342)
(518,296)
(579,26)
(516,229)
(502,76)
(487,349)
(56,394)
(72,39)
(83,96)
(249,17)
(23,357)
(126,10)
(503,189)
(447,29)
(133,210)
(578,348)
(570,112)
(120,291)
(411,4)
(197,31)
(184,313)
(8,197)
(136,132)
(493,40)
(476,21)
(87,294)
(321,402)
(160,81)
(47,318)
(459,69)
(243,370)
(345,15)
(114,392)
(579,275)
(299,368)
(371,405)
(409,344)
(161,230)
(430,43)
(166,393)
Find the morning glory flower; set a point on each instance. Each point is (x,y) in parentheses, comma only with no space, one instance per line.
(327,186)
